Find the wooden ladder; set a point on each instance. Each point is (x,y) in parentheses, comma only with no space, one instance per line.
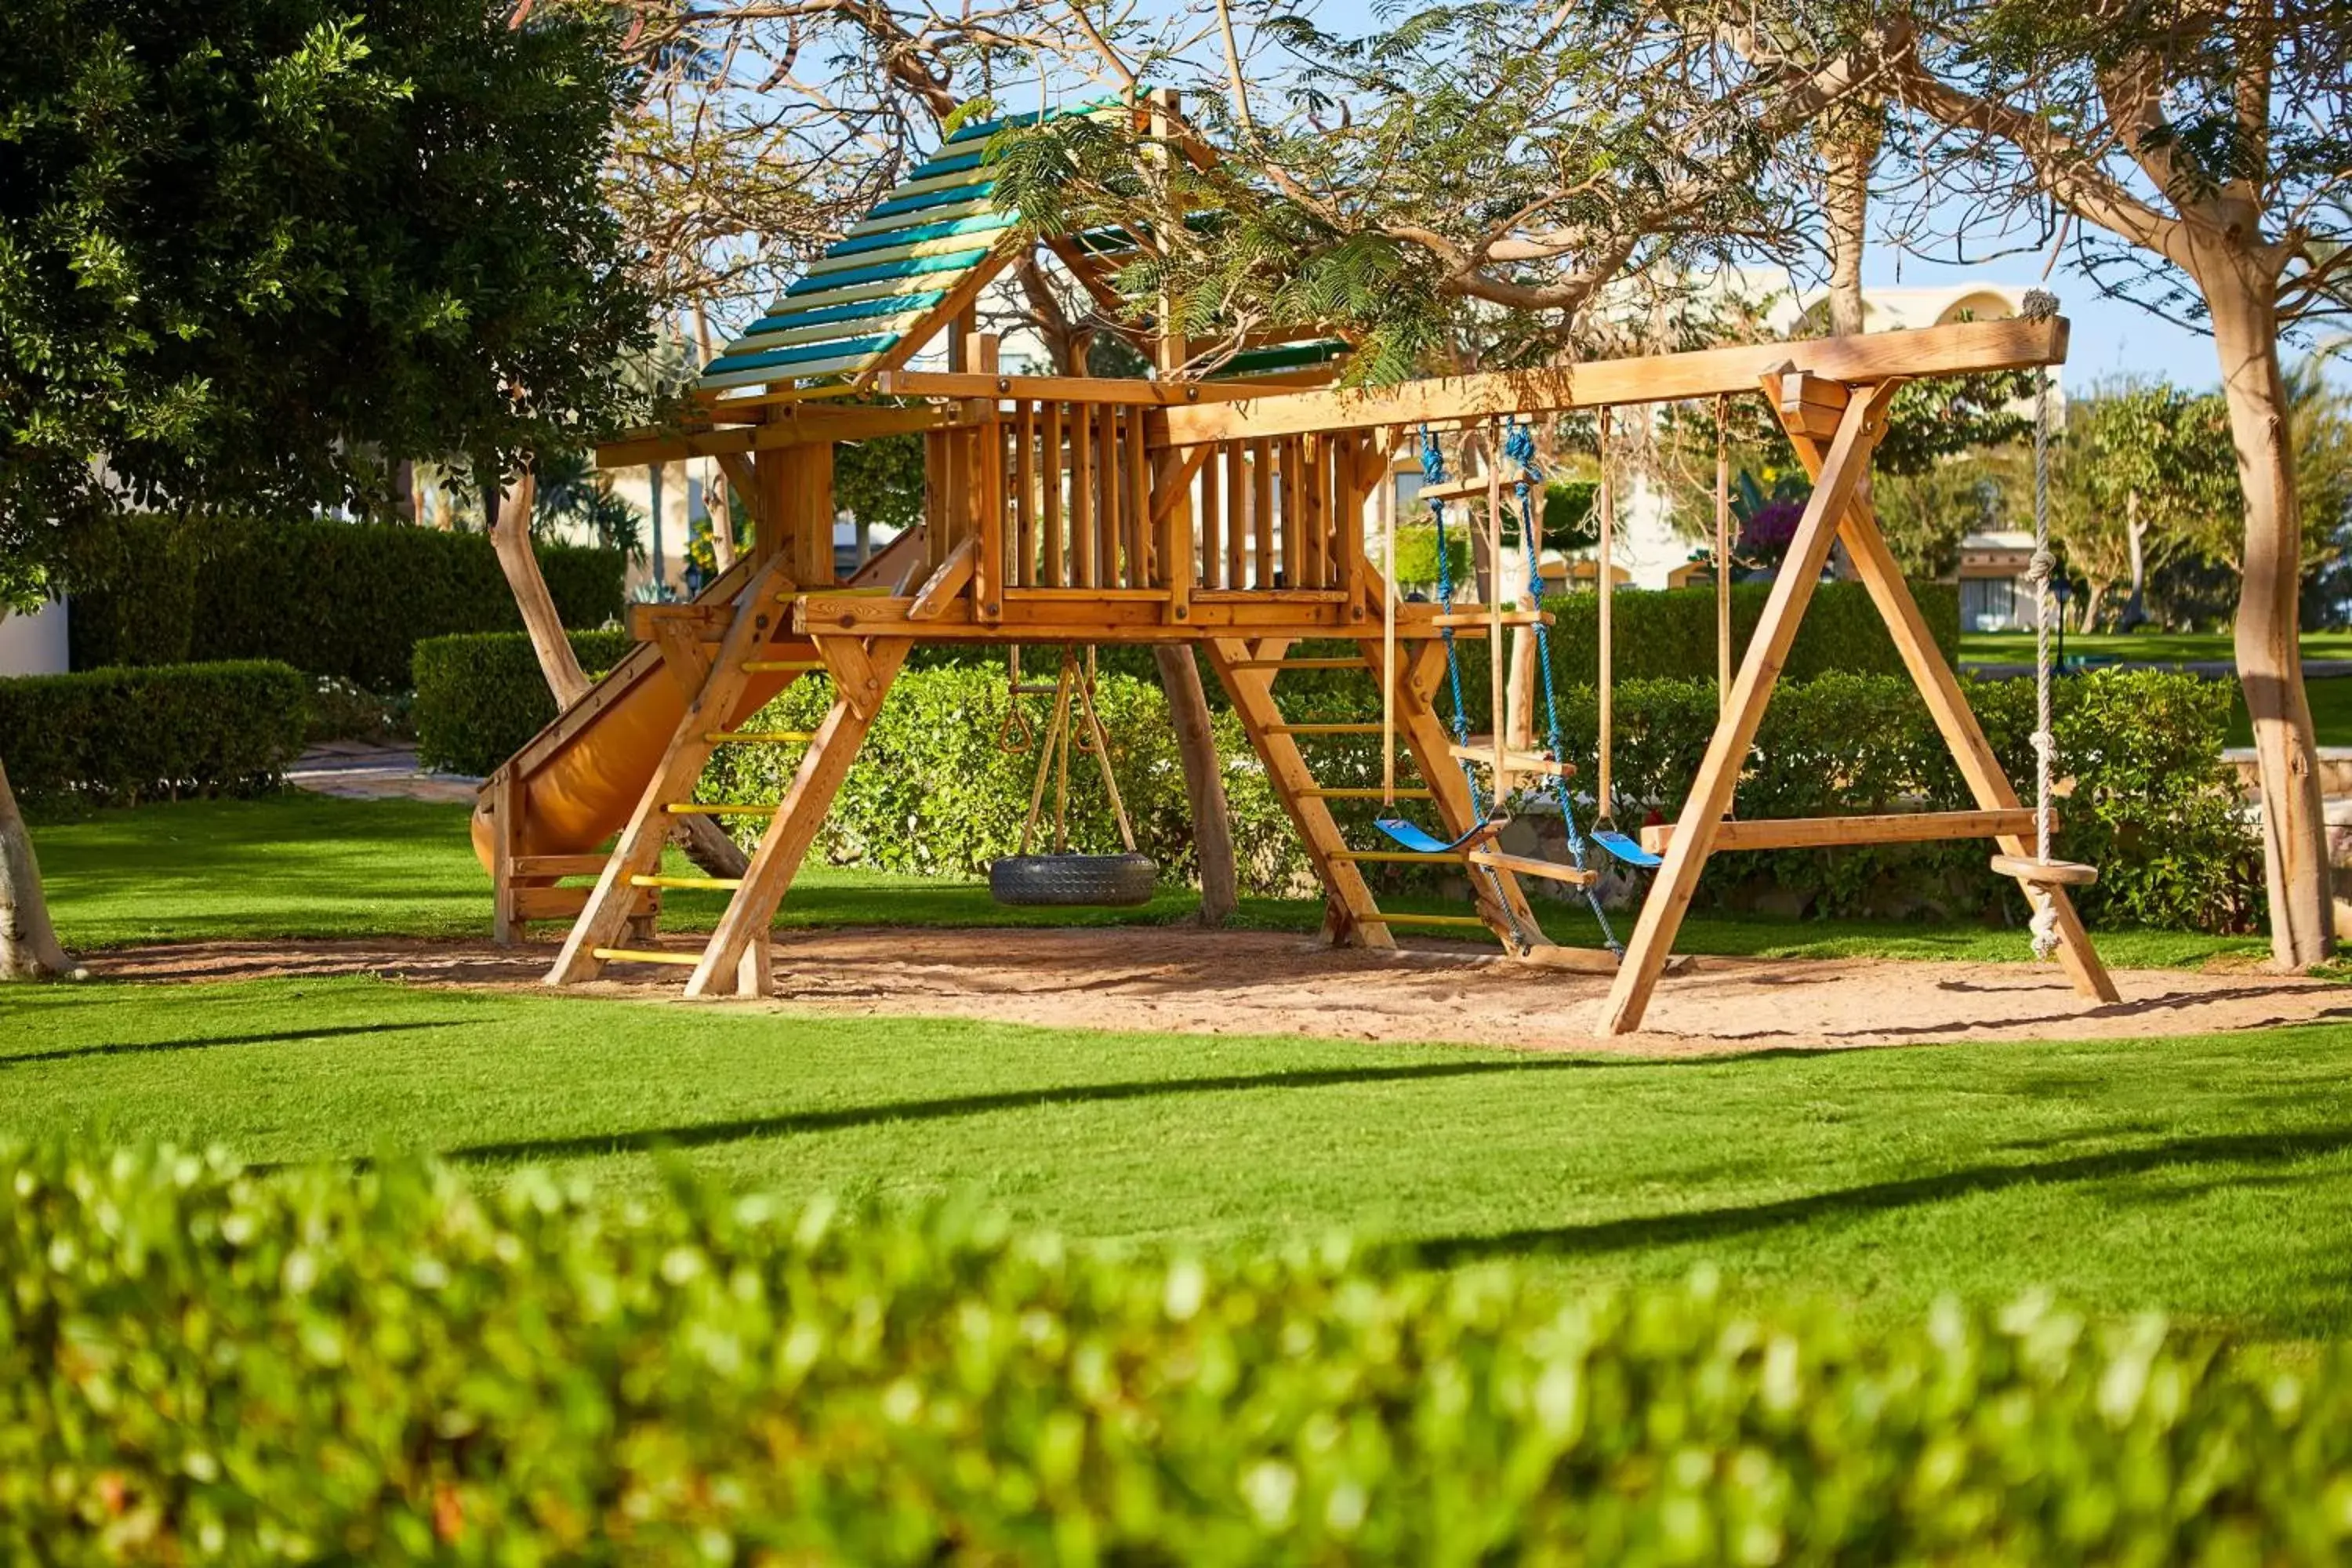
(1249,670)
(735,958)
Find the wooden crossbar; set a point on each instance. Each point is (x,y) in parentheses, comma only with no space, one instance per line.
(1817,832)
(1871,357)
(1373,794)
(1402,856)
(700,808)
(719,883)
(1391,917)
(645,955)
(1335,663)
(1530,866)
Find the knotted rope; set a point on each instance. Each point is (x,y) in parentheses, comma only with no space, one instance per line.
(2040,305)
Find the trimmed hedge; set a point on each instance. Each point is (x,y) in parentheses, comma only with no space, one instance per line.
(198,1365)
(121,736)
(2153,805)
(480,697)
(330,598)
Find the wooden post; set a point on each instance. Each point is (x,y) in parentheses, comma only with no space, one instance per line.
(506,928)
(1024,495)
(1859,428)
(1054,571)
(988,491)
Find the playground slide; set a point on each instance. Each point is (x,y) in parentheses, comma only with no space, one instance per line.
(579,779)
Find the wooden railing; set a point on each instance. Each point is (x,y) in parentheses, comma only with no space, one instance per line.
(1063,496)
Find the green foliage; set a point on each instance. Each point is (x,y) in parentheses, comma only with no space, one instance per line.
(880,481)
(252,252)
(1416,557)
(1670,633)
(935,790)
(479,696)
(116,737)
(348,600)
(573,494)
(398,1365)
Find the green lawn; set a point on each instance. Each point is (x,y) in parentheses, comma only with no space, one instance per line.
(2204,1177)
(311,866)
(2211,1178)
(2168,648)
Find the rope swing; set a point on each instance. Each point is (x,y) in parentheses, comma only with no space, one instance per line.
(2043,871)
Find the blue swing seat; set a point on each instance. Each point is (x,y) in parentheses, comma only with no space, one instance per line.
(1622,847)
(1409,836)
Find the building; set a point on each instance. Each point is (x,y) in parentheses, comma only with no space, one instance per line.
(33,644)
(1994,594)
(1655,545)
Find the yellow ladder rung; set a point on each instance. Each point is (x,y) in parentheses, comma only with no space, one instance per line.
(1403,856)
(696,808)
(1323,728)
(729,883)
(1357,663)
(780,666)
(1387,919)
(1352,794)
(759,737)
(645,955)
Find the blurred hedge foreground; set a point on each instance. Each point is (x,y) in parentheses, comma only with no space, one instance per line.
(198,1365)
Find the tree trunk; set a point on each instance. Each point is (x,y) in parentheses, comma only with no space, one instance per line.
(2270,660)
(1850,135)
(705,842)
(2094,593)
(28,943)
(1204,781)
(2136,540)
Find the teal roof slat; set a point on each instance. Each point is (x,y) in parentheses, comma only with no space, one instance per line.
(940,198)
(891,238)
(953,261)
(974,131)
(802,354)
(955,164)
(888,305)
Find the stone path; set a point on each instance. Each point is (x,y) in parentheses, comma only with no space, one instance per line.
(356,770)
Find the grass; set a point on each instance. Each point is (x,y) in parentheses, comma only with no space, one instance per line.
(300,866)
(2209,1178)
(2165,647)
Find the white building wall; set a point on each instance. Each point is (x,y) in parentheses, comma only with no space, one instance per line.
(33,644)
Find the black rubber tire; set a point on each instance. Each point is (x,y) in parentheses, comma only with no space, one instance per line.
(1095,880)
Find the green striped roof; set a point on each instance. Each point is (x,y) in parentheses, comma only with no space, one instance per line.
(884,280)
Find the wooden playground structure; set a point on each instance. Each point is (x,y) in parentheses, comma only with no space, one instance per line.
(1225,511)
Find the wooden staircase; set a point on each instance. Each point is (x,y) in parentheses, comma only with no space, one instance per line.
(735,960)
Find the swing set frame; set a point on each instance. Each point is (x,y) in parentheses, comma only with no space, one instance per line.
(1221,511)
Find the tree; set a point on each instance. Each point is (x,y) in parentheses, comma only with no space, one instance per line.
(2145,470)
(2202,154)
(250,247)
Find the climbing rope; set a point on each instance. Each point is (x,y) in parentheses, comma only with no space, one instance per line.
(2040,305)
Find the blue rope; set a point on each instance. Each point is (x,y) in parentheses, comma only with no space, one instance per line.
(1519,446)
(1432,473)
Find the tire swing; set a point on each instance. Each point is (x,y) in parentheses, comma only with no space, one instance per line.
(1062,879)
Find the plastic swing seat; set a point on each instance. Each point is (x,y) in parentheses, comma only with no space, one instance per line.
(1409,836)
(1624,848)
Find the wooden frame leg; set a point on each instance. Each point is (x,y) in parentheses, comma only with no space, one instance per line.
(1661,914)
(869,669)
(506,926)
(1350,915)
(1881,575)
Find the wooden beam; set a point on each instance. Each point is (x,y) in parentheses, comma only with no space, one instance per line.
(939,590)
(795,426)
(1872,358)
(1842,471)
(1120,390)
(1821,832)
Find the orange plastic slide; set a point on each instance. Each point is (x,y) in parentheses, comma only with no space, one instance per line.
(580,778)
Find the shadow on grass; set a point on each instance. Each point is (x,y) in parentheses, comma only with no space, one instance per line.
(282,1036)
(1638,1232)
(701,1134)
